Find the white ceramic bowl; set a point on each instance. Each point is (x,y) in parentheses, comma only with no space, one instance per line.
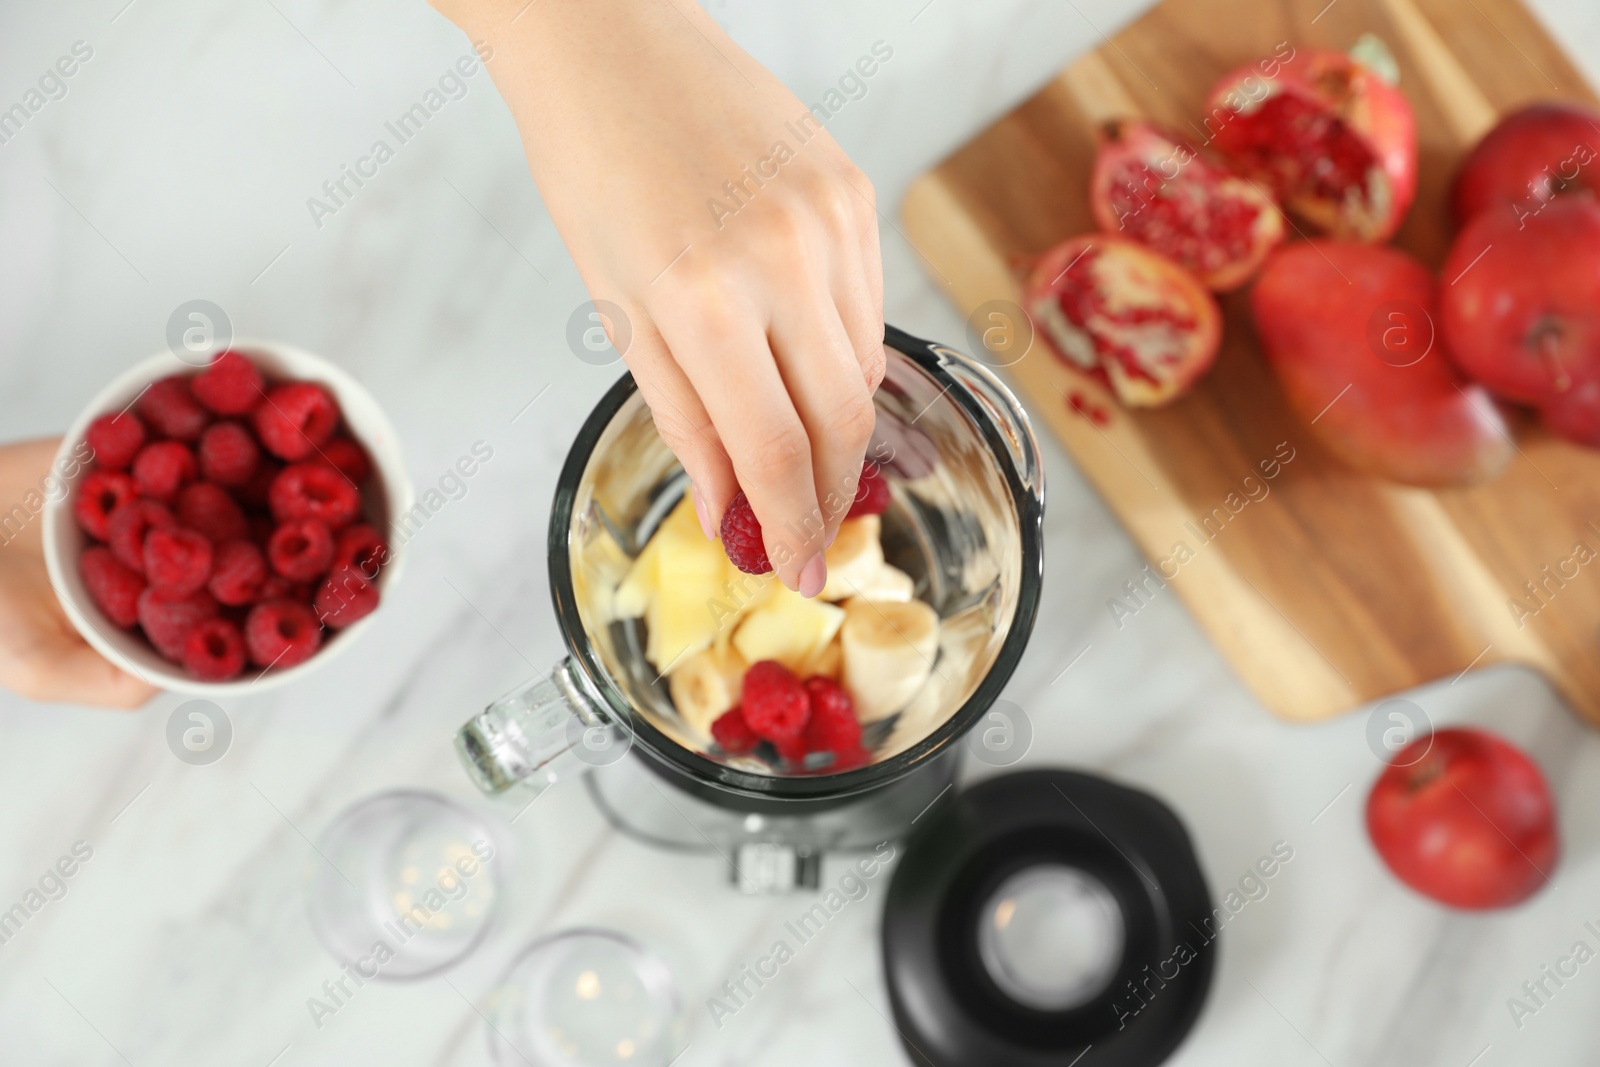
(389,495)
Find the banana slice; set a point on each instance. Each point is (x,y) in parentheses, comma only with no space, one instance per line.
(705,685)
(888,583)
(887,649)
(854,558)
(788,628)
(829,662)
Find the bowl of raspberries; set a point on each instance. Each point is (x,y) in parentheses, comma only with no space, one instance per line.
(227,525)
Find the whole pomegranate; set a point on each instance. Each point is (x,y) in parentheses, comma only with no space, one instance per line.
(1125,314)
(1521,310)
(1349,330)
(1530,156)
(1465,818)
(1151,185)
(1333,139)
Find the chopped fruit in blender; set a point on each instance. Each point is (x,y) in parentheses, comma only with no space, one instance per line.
(855,557)
(774,703)
(705,685)
(786,627)
(733,734)
(1125,315)
(888,651)
(872,492)
(1154,187)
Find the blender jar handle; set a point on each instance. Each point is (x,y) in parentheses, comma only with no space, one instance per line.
(1004,411)
(527,730)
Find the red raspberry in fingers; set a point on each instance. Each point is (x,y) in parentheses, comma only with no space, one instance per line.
(168,618)
(238,573)
(350,458)
(115,440)
(126,530)
(314,490)
(295,420)
(162,468)
(301,549)
(281,633)
(872,492)
(733,733)
(228,454)
(214,651)
(741,537)
(833,726)
(774,703)
(362,547)
(176,560)
(209,509)
(114,588)
(345,597)
(101,493)
(170,409)
(230,386)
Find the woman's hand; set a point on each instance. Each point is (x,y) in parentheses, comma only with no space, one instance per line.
(701,196)
(41,655)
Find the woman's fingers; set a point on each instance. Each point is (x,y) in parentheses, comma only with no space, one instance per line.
(820,369)
(682,421)
(723,348)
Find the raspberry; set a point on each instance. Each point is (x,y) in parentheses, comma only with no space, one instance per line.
(170,409)
(114,588)
(362,547)
(210,510)
(350,458)
(774,703)
(872,492)
(230,386)
(176,560)
(791,750)
(101,493)
(162,468)
(115,439)
(733,733)
(301,549)
(167,619)
(741,537)
(228,454)
(126,530)
(277,587)
(345,597)
(255,492)
(833,726)
(314,490)
(295,420)
(214,651)
(281,633)
(238,573)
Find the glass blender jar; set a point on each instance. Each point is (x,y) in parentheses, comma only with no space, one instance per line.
(965,523)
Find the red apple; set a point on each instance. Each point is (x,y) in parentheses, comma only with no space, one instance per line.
(1333,139)
(1465,818)
(1520,310)
(1530,156)
(1126,315)
(1151,185)
(1349,330)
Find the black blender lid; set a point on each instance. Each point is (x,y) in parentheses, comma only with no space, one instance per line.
(1046,918)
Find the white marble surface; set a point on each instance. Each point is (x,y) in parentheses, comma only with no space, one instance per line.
(178,166)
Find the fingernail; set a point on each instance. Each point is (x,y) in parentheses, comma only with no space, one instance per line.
(705,518)
(813,576)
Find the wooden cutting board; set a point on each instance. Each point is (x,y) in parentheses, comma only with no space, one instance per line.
(1334,589)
